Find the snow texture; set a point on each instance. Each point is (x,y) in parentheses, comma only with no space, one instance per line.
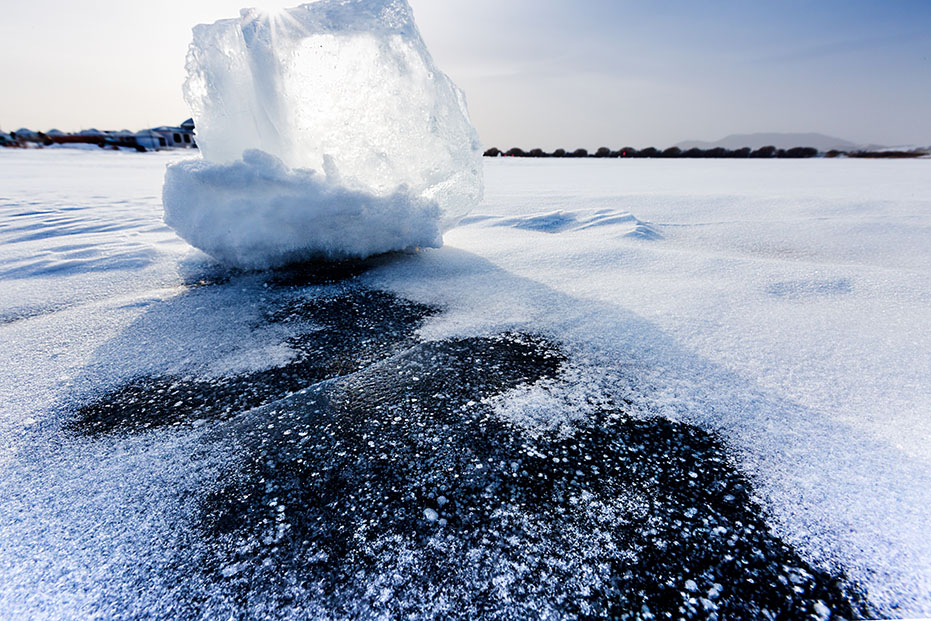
(784,305)
(327,132)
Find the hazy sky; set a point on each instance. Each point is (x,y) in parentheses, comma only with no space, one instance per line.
(537,73)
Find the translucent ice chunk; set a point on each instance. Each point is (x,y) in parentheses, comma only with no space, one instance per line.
(358,127)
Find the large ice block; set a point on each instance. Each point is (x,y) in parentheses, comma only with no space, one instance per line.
(345,89)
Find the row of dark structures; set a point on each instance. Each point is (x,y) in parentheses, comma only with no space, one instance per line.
(715,153)
(160,138)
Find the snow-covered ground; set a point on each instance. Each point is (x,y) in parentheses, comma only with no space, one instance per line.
(784,305)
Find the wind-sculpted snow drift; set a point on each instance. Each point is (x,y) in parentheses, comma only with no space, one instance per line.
(326,132)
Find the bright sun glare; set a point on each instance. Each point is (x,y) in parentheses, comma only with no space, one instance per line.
(269,7)
(275,14)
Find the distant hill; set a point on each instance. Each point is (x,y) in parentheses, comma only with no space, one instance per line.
(778,140)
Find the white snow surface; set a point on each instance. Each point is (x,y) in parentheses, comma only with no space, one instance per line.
(785,305)
(345,89)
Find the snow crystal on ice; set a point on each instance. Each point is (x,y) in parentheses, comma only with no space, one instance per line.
(326,131)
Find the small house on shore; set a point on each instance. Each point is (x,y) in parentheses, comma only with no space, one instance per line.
(24,134)
(166,137)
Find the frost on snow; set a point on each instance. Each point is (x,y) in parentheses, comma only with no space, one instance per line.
(326,132)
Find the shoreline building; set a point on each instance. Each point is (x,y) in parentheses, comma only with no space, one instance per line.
(167,137)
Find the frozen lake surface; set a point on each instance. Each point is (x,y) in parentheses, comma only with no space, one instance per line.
(631,386)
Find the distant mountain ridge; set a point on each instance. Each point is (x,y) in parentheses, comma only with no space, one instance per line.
(821,142)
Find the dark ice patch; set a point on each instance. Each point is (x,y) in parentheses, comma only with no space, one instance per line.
(319,273)
(303,274)
(368,477)
(396,492)
(334,335)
